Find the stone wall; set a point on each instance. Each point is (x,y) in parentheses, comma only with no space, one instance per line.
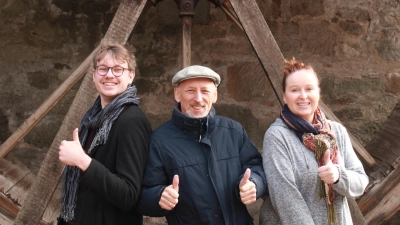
(353,45)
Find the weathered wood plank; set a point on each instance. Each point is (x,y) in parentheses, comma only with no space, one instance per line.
(272,59)
(53,208)
(51,170)
(186,41)
(383,200)
(385,145)
(15,178)
(9,210)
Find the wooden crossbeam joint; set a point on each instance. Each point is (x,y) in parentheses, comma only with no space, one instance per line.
(186,7)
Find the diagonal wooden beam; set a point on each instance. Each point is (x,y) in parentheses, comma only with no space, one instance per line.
(51,170)
(383,201)
(272,59)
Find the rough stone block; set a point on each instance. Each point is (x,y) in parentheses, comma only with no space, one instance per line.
(318,38)
(307,7)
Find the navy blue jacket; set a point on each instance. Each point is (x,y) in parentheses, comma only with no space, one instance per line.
(210,155)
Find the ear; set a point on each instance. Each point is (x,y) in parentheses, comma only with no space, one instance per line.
(284,97)
(215,95)
(177,94)
(131,76)
(93,74)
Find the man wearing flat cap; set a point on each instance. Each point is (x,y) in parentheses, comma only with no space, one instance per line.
(202,168)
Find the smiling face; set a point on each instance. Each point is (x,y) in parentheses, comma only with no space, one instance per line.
(301,93)
(110,86)
(196,96)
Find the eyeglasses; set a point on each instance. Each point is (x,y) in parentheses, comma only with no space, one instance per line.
(116,70)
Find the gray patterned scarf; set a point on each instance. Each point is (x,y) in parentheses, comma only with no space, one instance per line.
(101,120)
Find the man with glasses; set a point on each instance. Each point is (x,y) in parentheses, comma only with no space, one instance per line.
(106,157)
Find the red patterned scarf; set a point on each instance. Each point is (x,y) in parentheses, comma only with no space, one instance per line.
(317,137)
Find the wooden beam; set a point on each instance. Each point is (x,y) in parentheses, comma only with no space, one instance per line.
(186,40)
(385,146)
(51,170)
(272,59)
(383,200)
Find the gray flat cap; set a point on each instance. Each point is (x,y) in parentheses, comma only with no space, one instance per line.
(195,72)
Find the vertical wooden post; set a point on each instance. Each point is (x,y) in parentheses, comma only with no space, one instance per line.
(186,40)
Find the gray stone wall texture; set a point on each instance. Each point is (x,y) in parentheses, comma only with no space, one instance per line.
(354,47)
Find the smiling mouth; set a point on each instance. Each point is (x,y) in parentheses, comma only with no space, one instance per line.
(109,84)
(197,107)
(303,104)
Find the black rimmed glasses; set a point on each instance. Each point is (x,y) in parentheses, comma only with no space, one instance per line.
(116,70)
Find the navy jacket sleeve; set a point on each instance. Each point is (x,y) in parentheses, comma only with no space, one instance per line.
(154,182)
(251,158)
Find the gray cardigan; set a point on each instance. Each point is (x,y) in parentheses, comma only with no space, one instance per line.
(292,178)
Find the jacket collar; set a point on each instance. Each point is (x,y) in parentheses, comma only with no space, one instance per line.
(195,127)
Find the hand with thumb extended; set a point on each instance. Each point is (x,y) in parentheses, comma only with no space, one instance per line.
(175,183)
(248,192)
(72,154)
(75,136)
(327,157)
(170,195)
(328,173)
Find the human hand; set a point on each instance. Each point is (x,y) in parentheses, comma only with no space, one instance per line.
(169,197)
(72,154)
(328,173)
(248,192)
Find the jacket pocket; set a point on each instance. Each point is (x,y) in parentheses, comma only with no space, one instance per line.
(184,162)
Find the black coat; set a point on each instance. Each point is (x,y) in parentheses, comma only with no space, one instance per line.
(109,188)
(210,155)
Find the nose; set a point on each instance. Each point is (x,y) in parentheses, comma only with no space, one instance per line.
(197,96)
(303,94)
(109,73)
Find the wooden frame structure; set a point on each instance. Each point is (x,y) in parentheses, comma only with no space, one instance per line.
(248,17)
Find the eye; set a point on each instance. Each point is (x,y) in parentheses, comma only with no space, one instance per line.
(102,69)
(118,70)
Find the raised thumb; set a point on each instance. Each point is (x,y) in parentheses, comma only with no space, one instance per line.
(75,135)
(246,177)
(175,183)
(327,157)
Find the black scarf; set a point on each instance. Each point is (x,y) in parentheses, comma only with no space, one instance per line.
(100,120)
(299,125)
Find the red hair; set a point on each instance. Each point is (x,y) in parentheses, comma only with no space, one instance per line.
(292,66)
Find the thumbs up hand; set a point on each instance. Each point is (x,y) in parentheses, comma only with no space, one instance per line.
(248,192)
(170,195)
(72,154)
(328,173)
